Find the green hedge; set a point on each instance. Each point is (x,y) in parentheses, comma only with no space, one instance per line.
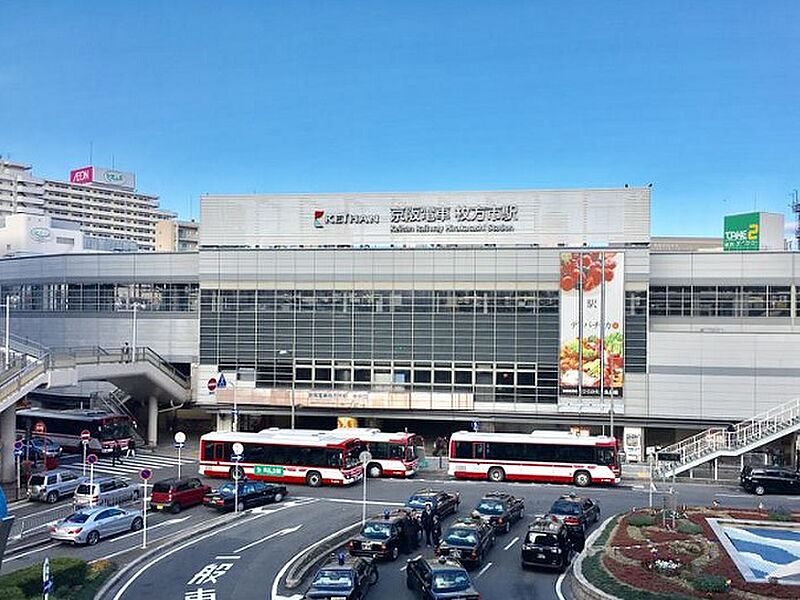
(598,576)
(603,537)
(710,584)
(641,520)
(689,528)
(66,573)
(11,593)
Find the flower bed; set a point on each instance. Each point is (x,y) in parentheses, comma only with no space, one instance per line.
(647,560)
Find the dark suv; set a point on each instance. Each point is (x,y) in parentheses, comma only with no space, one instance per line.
(442,503)
(500,509)
(441,579)
(547,544)
(176,494)
(386,536)
(769,480)
(468,540)
(576,511)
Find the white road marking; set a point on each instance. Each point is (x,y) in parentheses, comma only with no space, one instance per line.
(511,543)
(273,508)
(274,592)
(228,557)
(24,554)
(560,581)
(280,533)
(484,569)
(371,502)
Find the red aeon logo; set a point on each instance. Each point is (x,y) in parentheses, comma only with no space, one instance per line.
(84,175)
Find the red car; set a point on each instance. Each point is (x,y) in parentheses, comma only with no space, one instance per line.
(176,494)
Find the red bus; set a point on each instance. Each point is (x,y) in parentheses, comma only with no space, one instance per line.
(64,427)
(553,456)
(393,454)
(313,458)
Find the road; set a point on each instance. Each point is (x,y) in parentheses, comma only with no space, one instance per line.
(241,559)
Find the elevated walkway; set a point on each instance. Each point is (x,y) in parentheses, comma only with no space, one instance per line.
(744,437)
(143,375)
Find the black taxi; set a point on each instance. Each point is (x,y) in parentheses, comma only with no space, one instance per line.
(547,544)
(386,536)
(500,510)
(442,503)
(467,540)
(343,578)
(442,579)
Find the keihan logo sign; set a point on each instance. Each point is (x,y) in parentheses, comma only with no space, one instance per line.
(322,219)
(742,233)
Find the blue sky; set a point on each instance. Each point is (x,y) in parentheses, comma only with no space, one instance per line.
(700,98)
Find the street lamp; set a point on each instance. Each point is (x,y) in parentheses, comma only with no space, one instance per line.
(284,353)
(7,350)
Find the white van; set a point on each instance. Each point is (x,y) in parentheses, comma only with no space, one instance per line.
(106,491)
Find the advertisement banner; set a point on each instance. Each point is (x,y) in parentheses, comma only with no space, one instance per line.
(592,339)
(88,175)
(742,233)
(82,175)
(633,444)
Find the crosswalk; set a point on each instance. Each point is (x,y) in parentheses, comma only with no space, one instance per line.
(132,466)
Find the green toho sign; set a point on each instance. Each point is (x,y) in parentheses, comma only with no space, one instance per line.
(742,233)
(268,470)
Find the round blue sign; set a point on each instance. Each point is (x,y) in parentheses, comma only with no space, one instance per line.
(91,459)
(145,474)
(18,445)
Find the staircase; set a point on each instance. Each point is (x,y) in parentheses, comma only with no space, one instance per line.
(116,402)
(743,437)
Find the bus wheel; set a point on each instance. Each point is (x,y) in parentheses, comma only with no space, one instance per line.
(374,470)
(582,479)
(314,479)
(497,474)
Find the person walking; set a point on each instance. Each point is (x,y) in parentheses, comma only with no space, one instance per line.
(126,352)
(131,449)
(116,454)
(437,530)
(427,523)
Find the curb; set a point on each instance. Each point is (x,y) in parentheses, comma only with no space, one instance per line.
(312,556)
(578,578)
(13,549)
(179,537)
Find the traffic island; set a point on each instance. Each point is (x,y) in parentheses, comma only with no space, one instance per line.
(72,579)
(690,553)
(312,557)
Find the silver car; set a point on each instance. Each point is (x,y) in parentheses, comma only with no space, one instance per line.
(51,486)
(89,525)
(105,491)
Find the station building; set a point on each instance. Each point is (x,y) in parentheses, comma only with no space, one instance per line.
(516,309)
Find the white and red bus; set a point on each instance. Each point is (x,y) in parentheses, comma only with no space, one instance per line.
(393,454)
(308,457)
(552,456)
(64,427)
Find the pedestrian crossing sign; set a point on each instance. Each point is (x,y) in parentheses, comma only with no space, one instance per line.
(221,383)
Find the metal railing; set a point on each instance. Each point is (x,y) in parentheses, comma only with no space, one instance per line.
(732,441)
(32,524)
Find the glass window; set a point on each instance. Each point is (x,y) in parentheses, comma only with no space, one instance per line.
(780,301)
(658,301)
(705,301)
(755,301)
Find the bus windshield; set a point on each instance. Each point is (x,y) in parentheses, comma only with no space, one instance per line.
(606,456)
(351,455)
(114,430)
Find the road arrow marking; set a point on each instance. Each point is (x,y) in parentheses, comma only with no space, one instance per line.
(280,533)
(511,543)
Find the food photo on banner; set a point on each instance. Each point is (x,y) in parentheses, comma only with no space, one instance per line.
(592,336)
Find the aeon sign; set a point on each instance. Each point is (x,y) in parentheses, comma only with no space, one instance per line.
(83,175)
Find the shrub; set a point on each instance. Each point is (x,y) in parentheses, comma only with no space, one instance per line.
(12,593)
(780,513)
(640,520)
(599,576)
(66,572)
(689,528)
(715,584)
(603,537)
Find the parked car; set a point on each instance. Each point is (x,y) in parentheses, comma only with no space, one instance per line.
(105,491)
(176,494)
(769,480)
(343,578)
(576,511)
(500,510)
(548,543)
(51,486)
(87,526)
(442,579)
(442,503)
(468,540)
(385,536)
(251,493)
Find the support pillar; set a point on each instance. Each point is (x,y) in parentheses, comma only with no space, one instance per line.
(224,422)
(152,421)
(8,426)
(716,469)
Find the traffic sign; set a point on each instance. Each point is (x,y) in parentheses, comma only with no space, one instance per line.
(365,457)
(40,428)
(221,383)
(145,474)
(85,436)
(17,451)
(476,426)
(212,384)
(91,459)
(238,448)
(236,457)
(180,437)
(18,445)
(178,446)
(47,581)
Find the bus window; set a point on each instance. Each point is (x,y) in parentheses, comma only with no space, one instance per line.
(463,450)
(478,450)
(397,451)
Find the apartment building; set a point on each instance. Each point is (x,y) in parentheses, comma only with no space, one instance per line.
(177,236)
(20,191)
